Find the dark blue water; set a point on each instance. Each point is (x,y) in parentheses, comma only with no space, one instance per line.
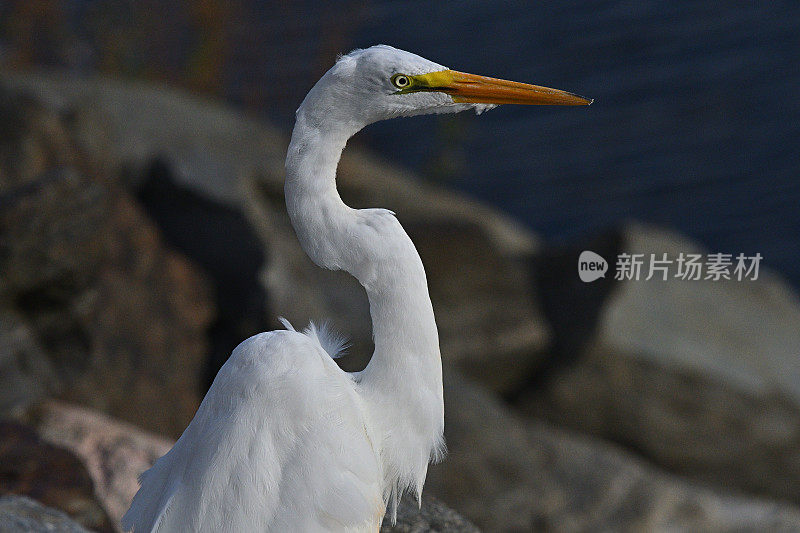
(696,124)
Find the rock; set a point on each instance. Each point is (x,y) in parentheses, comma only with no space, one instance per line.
(131,315)
(86,282)
(19,514)
(506,473)
(116,453)
(26,370)
(571,306)
(126,124)
(484,299)
(50,474)
(701,377)
(433,516)
(219,239)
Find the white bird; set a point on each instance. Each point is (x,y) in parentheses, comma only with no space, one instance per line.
(285,440)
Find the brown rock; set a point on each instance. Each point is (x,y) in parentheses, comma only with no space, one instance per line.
(120,318)
(49,474)
(27,373)
(115,453)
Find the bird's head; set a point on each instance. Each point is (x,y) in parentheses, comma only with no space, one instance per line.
(382,82)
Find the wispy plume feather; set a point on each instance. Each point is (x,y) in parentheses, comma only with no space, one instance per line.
(288,325)
(331,341)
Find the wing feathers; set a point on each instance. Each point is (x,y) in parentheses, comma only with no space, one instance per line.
(278,444)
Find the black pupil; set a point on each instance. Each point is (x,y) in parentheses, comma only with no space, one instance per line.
(401,81)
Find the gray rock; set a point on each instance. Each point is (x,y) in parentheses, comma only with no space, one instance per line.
(506,473)
(702,377)
(19,514)
(433,516)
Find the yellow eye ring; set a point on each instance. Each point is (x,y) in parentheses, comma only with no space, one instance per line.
(401,81)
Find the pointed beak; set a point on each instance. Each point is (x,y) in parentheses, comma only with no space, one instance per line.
(471,88)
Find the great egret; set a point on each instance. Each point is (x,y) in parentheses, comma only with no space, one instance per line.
(285,440)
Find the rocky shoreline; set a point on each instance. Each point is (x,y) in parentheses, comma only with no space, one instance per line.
(569,406)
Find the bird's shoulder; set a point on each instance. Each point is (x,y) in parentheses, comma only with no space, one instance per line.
(377,218)
(280,421)
(280,353)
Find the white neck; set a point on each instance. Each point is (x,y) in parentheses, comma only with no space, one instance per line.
(402,384)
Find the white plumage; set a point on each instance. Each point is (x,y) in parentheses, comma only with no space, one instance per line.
(284,440)
(278,416)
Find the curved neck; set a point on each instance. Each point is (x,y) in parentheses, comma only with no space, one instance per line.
(369,244)
(403,381)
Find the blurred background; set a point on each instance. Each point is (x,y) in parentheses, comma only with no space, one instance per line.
(143,235)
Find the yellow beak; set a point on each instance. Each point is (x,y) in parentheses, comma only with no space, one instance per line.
(471,88)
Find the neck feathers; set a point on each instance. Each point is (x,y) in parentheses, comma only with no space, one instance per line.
(402,385)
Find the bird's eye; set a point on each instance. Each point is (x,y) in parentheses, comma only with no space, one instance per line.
(401,81)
